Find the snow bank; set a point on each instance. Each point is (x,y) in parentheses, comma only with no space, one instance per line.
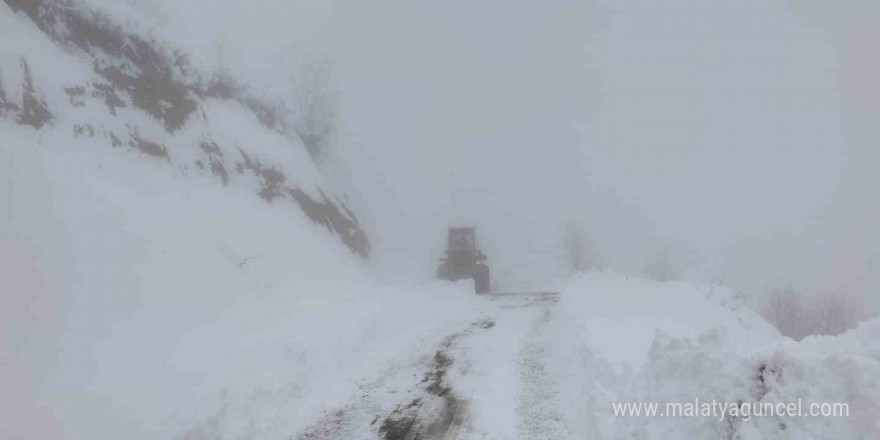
(618,316)
(628,340)
(713,367)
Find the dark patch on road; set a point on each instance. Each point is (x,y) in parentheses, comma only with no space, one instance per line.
(521,294)
(425,419)
(438,384)
(399,424)
(448,418)
(331,426)
(485,324)
(432,410)
(440,413)
(527,299)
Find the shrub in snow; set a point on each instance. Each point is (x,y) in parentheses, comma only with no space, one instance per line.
(797,317)
(785,311)
(660,268)
(833,314)
(34,111)
(581,253)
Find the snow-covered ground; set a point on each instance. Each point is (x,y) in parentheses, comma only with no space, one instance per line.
(135,301)
(142,298)
(553,366)
(628,340)
(159,307)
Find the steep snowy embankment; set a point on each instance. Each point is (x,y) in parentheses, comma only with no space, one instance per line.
(140,303)
(164,240)
(73,74)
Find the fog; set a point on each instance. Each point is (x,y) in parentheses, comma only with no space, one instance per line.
(739,135)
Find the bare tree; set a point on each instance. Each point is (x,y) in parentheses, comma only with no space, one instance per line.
(798,317)
(660,267)
(34,111)
(833,314)
(581,252)
(785,310)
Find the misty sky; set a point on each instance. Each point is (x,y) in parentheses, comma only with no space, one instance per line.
(741,134)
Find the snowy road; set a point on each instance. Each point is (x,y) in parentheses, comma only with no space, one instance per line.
(453,365)
(488,378)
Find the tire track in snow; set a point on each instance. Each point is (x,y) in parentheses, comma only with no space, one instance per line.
(537,408)
(431,409)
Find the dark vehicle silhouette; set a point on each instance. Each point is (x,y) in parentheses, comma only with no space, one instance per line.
(463,260)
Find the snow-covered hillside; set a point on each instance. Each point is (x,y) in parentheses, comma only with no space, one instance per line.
(71,74)
(142,302)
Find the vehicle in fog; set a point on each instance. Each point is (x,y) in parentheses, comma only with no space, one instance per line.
(463,260)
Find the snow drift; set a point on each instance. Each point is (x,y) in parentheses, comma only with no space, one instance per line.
(623,340)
